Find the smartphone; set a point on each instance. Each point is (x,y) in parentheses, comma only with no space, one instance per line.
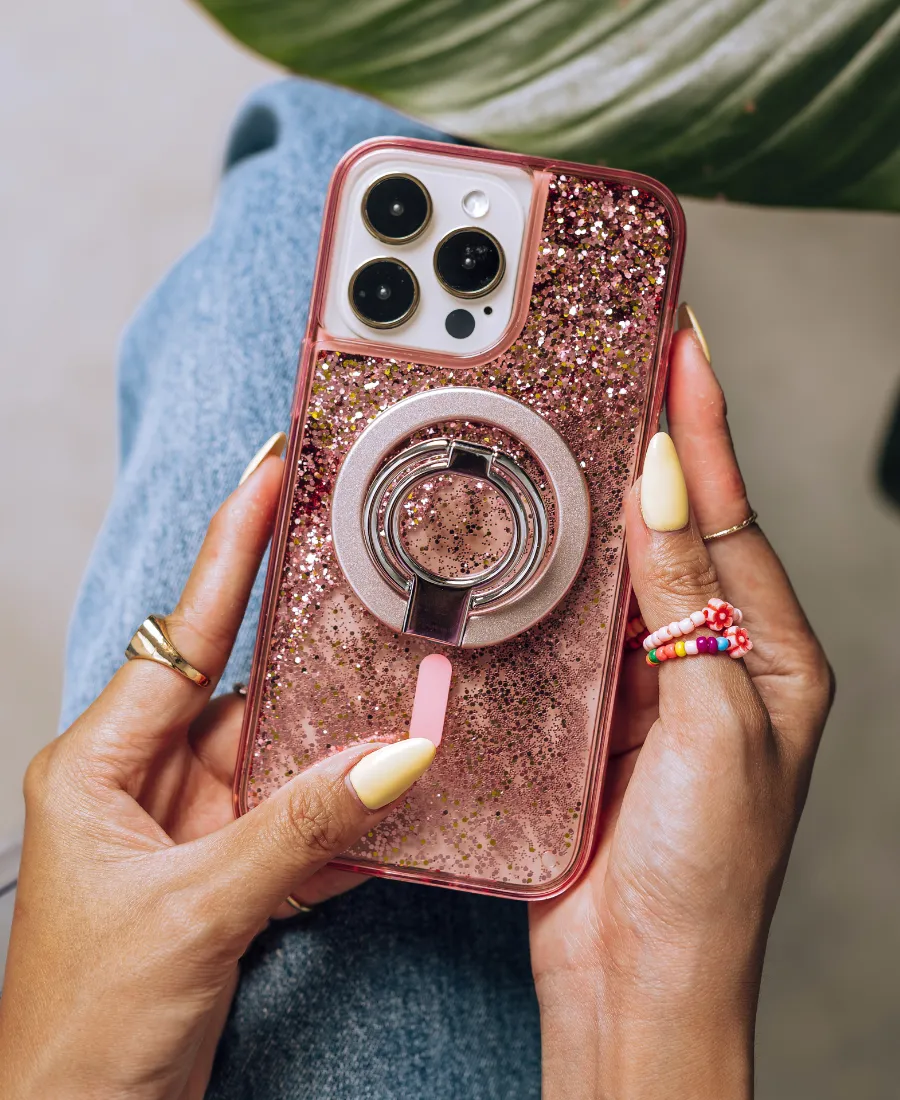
(483,365)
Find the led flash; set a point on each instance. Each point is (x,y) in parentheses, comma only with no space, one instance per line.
(476,204)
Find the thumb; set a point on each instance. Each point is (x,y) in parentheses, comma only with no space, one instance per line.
(270,851)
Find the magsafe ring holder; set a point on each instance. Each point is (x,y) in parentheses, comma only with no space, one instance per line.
(525,582)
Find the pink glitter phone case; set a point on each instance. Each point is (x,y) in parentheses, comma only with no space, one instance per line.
(511,805)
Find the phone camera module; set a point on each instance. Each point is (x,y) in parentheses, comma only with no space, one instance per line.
(384,293)
(469,263)
(396,209)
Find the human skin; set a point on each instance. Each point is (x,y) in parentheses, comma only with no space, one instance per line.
(647,971)
(137,893)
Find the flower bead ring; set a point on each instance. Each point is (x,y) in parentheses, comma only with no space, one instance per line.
(669,642)
(738,641)
(717,615)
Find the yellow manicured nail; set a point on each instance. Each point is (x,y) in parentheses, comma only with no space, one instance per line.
(664,499)
(274,446)
(385,774)
(688,319)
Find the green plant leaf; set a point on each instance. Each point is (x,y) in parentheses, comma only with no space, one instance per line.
(791,102)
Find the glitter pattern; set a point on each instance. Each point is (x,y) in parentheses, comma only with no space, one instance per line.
(456,527)
(503,804)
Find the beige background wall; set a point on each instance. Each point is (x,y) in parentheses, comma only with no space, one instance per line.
(112,121)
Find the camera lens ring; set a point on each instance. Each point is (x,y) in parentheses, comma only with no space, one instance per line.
(393,322)
(495,279)
(372,192)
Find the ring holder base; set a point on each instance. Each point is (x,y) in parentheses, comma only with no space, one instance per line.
(515,591)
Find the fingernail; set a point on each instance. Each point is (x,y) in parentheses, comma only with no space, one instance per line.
(274,446)
(384,775)
(688,319)
(664,500)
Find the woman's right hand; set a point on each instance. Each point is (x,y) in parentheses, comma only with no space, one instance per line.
(125,942)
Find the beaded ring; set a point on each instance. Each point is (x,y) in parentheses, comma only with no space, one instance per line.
(735,642)
(717,615)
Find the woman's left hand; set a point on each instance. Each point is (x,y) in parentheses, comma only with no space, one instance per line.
(648,969)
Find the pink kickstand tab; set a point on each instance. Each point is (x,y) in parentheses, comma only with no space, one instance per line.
(430,704)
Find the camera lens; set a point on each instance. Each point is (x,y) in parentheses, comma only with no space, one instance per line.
(384,293)
(469,262)
(396,208)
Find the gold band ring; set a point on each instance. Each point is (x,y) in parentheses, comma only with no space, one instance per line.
(298,908)
(748,522)
(151,642)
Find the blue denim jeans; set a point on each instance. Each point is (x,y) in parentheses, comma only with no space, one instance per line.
(391,992)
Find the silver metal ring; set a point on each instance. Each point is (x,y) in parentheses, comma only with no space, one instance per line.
(526,508)
(438,607)
(362,476)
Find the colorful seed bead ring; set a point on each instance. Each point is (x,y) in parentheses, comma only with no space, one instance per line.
(718,615)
